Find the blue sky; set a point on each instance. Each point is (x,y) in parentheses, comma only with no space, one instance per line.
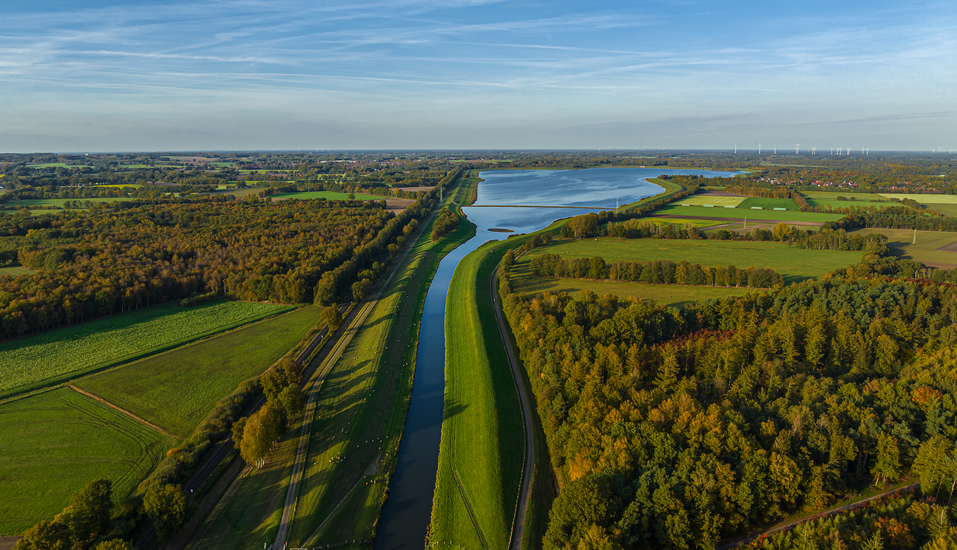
(106,75)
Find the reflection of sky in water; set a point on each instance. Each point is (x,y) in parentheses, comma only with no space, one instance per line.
(591,187)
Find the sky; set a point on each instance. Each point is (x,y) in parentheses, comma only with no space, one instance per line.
(110,75)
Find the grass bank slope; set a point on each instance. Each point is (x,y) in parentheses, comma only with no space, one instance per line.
(56,442)
(482,450)
(926,250)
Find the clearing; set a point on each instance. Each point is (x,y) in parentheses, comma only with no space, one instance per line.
(928,249)
(328,195)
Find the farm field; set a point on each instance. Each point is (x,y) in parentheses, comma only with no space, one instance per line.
(923,198)
(768,204)
(793,263)
(482,449)
(15,271)
(60,202)
(714,200)
(54,356)
(926,249)
(669,295)
(861,200)
(328,195)
(56,442)
(740,213)
(177,389)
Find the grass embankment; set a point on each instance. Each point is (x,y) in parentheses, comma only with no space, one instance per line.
(793,263)
(671,189)
(482,450)
(177,389)
(927,249)
(56,356)
(360,415)
(739,213)
(56,442)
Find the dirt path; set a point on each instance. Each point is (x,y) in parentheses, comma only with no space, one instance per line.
(124,411)
(787,526)
(528,469)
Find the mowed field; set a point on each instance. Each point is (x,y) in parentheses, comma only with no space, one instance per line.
(15,271)
(56,442)
(177,389)
(60,202)
(793,263)
(328,195)
(58,355)
(713,200)
(768,204)
(927,248)
(740,213)
(861,200)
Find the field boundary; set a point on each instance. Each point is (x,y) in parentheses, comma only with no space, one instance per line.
(122,410)
(468,507)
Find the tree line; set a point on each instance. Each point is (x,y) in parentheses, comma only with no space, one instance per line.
(655,271)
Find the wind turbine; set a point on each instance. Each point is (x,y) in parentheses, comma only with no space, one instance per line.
(759,149)
(813,150)
(832,151)
(775,148)
(797,149)
(848,151)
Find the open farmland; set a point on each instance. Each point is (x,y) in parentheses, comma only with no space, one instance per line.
(736,214)
(57,442)
(717,201)
(15,271)
(793,263)
(26,203)
(928,247)
(859,200)
(328,195)
(177,389)
(669,295)
(768,204)
(58,355)
(923,198)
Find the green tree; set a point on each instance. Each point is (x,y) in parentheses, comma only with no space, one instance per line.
(260,433)
(238,426)
(46,535)
(887,465)
(332,317)
(291,398)
(361,289)
(115,544)
(166,506)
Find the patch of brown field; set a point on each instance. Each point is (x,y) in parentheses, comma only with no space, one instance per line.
(397,205)
(6,543)
(952,247)
(277,199)
(939,265)
(719,194)
(413,189)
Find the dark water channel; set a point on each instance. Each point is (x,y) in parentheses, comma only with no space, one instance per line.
(406,515)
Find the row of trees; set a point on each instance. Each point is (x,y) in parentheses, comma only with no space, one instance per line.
(445,223)
(673,428)
(655,271)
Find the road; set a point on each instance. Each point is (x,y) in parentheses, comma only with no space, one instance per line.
(528,470)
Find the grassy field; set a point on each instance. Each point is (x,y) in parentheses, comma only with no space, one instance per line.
(669,295)
(482,450)
(768,204)
(15,271)
(795,264)
(926,250)
(716,201)
(57,442)
(23,203)
(359,420)
(58,355)
(328,195)
(177,389)
(739,213)
(670,190)
(923,198)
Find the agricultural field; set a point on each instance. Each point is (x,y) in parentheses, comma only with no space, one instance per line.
(56,442)
(482,450)
(793,263)
(26,203)
(15,271)
(716,201)
(768,204)
(177,389)
(732,214)
(923,198)
(669,295)
(52,357)
(928,247)
(328,195)
(860,200)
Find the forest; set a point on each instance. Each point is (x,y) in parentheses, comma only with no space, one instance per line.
(676,428)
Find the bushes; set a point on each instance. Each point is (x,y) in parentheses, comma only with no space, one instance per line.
(445,223)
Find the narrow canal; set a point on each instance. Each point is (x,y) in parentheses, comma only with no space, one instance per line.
(406,515)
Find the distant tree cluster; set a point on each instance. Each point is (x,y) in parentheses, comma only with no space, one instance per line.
(445,222)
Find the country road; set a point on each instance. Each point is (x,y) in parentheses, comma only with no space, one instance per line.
(528,470)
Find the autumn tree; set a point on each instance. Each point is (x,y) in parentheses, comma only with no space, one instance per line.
(166,506)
